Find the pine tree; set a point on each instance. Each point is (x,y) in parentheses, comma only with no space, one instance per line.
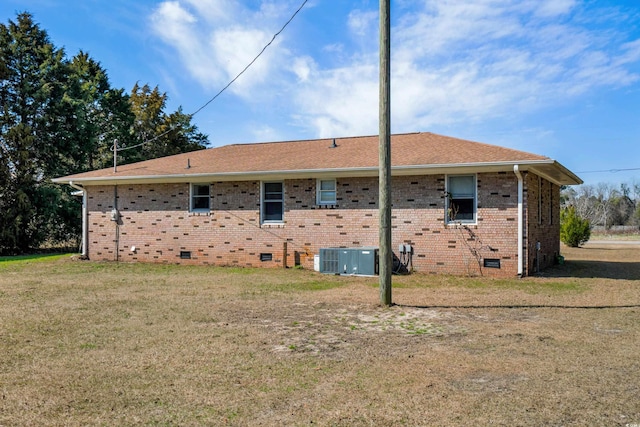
(59,117)
(574,231)
(32,98)
(157,133)
(102,114)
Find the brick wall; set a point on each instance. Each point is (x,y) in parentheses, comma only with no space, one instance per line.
(156,220)
(543,223)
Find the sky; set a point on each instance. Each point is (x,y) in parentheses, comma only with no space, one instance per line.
(560,78)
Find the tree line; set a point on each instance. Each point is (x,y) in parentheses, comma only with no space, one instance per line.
(60,116)
(605,205)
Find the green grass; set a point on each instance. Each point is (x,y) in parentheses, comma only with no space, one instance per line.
(287,280)
(605,236)
(24,259)
(105,343)
(33,257)
(530,285)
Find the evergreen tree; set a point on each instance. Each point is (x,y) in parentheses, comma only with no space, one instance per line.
(102,114)
(59,117)
(31,129)
(156,133)
(574,231)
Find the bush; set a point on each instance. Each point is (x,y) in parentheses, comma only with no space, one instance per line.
(574,231)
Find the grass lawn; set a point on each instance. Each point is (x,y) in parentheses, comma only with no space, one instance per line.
(103,344)
(627,236)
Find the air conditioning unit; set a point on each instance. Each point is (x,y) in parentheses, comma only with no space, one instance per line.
(357,261)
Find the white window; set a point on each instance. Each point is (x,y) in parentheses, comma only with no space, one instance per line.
(326,192)
(272,208)
(461,198)
(200,198)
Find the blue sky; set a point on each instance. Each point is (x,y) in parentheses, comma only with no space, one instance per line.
(559,78)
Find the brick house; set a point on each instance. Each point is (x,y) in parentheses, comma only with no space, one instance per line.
(465,207)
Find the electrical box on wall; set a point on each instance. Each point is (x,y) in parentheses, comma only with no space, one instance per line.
(356,261)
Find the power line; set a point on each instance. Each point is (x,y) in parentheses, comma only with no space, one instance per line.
(611,170)
(115,148)
(254,60)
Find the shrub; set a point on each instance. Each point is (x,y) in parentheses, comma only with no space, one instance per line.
(574,230)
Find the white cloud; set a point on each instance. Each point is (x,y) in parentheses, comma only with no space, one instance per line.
(216,39)
(461,62)
(234,48)
(265,133)
(303,67)
(452,61)
(215,11)
(361,22)
(179,28)
(551,8)
(338,102)
(631,53)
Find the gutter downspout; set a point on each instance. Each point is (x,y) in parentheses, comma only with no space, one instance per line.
(85,218)
(516,170)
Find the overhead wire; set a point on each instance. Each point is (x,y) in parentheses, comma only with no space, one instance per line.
(114,148)
(611,170)
(252,61)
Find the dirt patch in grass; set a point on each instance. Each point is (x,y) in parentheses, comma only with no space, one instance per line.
(86,343)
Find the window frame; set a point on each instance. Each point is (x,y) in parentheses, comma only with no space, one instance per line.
(449,198)
(320,191)
(193,196)
(264,201)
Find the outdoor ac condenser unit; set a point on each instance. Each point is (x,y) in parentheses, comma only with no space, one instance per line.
(358,261)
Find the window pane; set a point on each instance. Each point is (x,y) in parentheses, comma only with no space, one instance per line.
(273,211)
(462,198)
(326,191)
(200,190)
(273,191)
(328,185)
(273,201)
(200,196)
(327,196)
(201,202)
(273,196)
(461,209)
(273,187)
(462,186)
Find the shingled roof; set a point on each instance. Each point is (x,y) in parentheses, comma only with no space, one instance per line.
(412,154)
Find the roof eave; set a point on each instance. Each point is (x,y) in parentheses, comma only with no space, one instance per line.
(555,172)
(562,175)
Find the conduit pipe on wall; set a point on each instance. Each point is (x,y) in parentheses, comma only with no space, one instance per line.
(115,218)
(516,170)
(85,218)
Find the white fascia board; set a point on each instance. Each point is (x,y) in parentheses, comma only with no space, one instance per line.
(315,173)
(563,176)
(218,177)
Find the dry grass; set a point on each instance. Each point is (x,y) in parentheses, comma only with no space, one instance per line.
(85,343)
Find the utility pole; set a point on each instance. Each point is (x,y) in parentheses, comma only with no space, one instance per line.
(384,153)
(115,155)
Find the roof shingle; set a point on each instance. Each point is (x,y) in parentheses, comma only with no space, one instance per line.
(412,149)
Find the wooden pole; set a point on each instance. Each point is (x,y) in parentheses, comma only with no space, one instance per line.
(284,254)
(115,156)
(384,152)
